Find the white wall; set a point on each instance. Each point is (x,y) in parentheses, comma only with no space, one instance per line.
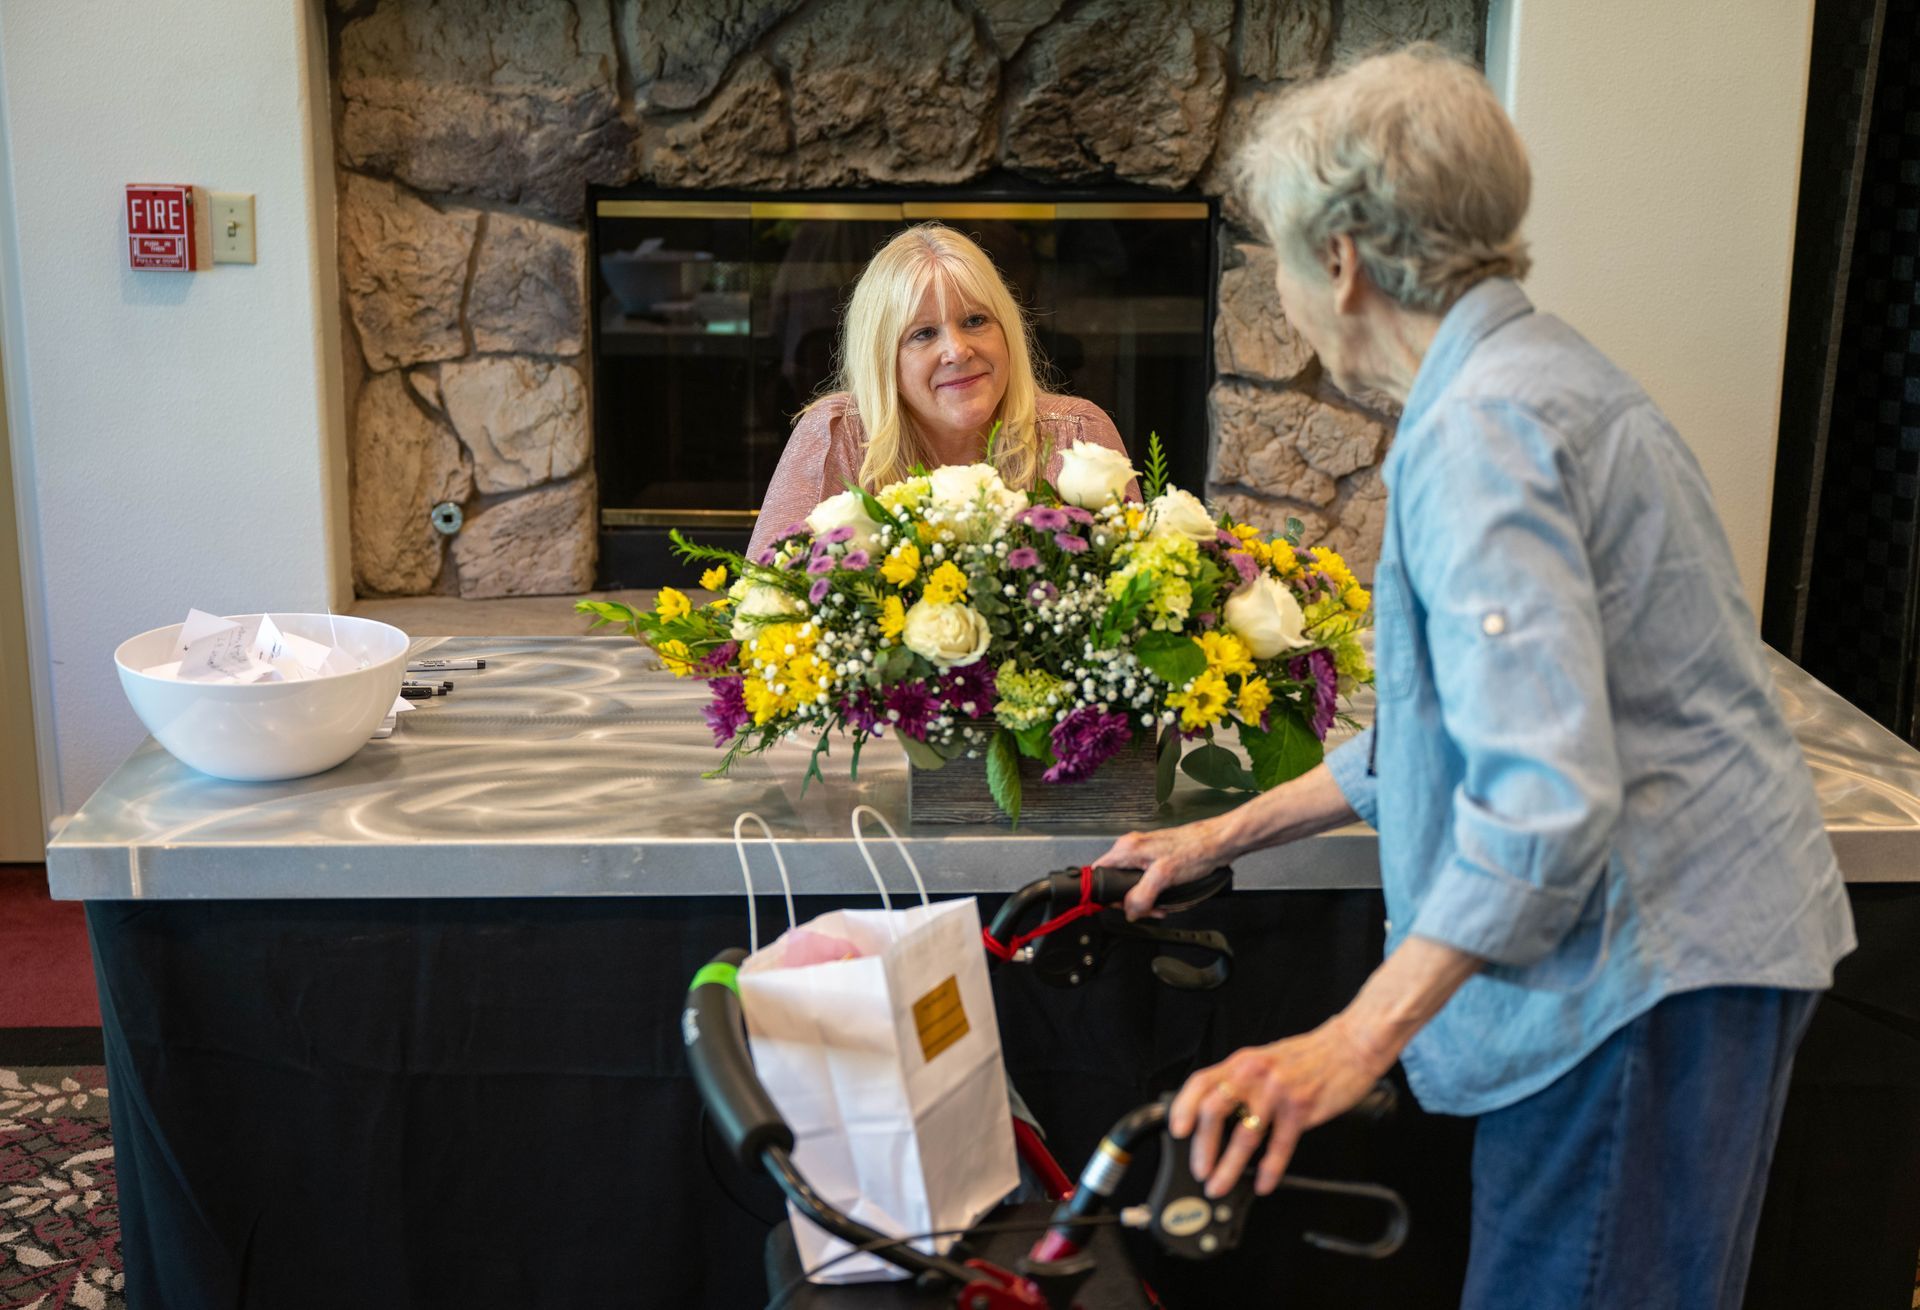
(1665,137)
(175,436)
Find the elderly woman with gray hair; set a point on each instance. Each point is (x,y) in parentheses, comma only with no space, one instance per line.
(1611,900)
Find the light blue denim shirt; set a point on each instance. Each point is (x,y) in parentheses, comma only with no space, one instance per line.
(1578,766)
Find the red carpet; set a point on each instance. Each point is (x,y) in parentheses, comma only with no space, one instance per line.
(46,973)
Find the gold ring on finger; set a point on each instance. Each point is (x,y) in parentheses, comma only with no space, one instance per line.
(1252,1123)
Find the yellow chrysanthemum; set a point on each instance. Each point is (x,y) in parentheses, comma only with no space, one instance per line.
(893,617)
(947,586)
(902,565)
(1328,561)
(1281,559)
(1357,599)
(670,605)
(1255,696)
(714,578)
(1135,517)
(760,700)
(676,656)
(1204,701)
(1226,653)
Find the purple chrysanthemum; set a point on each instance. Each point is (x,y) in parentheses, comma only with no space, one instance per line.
(970,685)
(1207,619)
(1023,557)
(727,712)
(798,528)
(818,592)
(1244,565)
(1085,740)
(765,558)
(720,658)
(855,560)
(1076,514)
(861,712)
(1045,518)
(909,706)
(1222,537)
(1317,666)
(1068,542)
(1041,592)
(842,533)
(820,564)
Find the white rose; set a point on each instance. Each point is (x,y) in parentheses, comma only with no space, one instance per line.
(1092,474)
(965,487)
(845,510)
(946,634)
(1265,615)
(763,602)
(1180,514)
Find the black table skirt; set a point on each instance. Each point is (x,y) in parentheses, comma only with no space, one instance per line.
(484,1103)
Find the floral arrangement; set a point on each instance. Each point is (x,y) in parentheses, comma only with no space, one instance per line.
(964,617)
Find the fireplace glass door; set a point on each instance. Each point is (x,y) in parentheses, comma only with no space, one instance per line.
(716,319)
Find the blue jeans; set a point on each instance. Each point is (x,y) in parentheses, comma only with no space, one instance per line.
(1634,1182)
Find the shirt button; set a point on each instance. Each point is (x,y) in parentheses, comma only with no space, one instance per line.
(1494,624)
(1388,925)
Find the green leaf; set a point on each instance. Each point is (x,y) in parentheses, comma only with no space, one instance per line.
(993,436)
(1125,609)
(1284,751)
(1155,481)
(1294,528)
(897,665)
(1003,774)
(1176,659)
(1168,762)
(922,755)
(1217,767)
(1036,742)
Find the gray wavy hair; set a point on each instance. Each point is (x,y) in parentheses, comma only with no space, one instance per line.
(1408,153)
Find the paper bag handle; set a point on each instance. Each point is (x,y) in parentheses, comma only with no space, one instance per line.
(746,874)
(859,840)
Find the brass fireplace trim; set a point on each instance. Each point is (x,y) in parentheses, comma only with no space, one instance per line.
(877,211)
(678,518)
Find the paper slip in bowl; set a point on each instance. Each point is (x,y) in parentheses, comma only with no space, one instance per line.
(267,730)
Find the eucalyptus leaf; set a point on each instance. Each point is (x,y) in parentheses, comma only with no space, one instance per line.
(1217,767)
(922,755)
(1003,774)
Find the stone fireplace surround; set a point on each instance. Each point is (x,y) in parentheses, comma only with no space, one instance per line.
(466,132)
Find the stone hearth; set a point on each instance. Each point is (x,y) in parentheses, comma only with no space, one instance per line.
(467,132)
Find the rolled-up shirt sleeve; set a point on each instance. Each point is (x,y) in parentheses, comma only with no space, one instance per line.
(1351,764)
(1518,661)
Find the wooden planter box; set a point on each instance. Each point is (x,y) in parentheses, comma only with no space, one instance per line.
(1120,795)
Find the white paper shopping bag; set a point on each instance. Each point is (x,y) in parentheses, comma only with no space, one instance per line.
(887,1067)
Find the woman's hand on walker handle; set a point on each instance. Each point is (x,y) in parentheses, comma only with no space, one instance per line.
(1311,803)
(1166,858)
(1279,1091)
(1271,1095)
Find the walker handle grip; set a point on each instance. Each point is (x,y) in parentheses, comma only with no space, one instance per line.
(715,1037)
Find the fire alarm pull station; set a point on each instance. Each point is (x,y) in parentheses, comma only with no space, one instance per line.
(168,227)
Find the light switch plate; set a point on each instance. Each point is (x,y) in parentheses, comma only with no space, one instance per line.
(232,227)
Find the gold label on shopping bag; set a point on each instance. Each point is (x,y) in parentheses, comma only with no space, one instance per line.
(940,1018)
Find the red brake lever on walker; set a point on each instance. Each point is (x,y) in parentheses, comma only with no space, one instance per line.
(1081,920)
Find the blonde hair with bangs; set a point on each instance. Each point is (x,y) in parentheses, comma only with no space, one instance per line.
(883,306)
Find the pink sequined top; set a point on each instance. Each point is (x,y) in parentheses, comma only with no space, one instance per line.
(824,450)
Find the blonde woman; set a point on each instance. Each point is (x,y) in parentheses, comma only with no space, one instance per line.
(933,353)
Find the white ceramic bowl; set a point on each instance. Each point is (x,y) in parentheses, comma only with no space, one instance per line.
(262,732)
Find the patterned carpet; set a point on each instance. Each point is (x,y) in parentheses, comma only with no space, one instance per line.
(59,1218)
